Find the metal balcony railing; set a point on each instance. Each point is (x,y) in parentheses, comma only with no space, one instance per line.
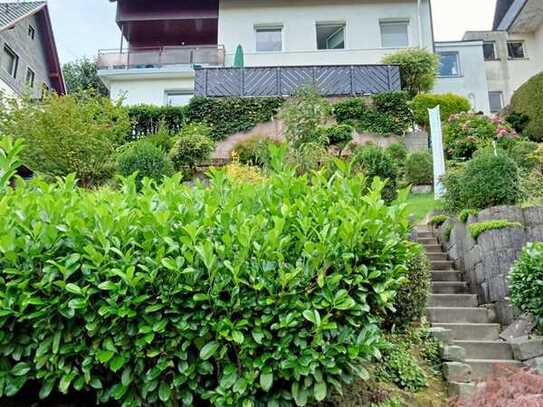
(157,57)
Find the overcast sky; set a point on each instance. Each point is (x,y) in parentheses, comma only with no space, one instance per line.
(84,26)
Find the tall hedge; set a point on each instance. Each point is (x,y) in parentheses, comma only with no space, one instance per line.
(231,115)
(146,119)
(528,100)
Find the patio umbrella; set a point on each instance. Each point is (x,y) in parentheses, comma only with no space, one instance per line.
(239,61)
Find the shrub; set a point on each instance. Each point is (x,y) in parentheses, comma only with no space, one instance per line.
(412,298)
(395,105)
(349,109)
(487,180)
(149,119)
(192,147)
(10,151)
(238,172)
(254,151)
(398,151)
(339,135)
(162,138)
(532,187)
(447,231)
(148,160)
(438,220)
(449,104)
(477,229)
(227,116)
(70,134)
(419,169)
(525,281)
(528,100)
(518,121)
(401,368)
(466,213)
(226,293)
(418,69)
(375,162)
(523,154)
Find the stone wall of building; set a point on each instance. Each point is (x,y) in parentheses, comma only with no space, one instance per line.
(487,261)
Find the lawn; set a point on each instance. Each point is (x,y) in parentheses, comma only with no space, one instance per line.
(419,205)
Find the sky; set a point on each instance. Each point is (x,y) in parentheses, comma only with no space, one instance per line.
(82,27)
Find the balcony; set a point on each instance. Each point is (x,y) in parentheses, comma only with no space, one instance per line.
(159,57)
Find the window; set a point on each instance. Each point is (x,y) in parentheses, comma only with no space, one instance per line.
(269,39)
(44,90)
(30,76)
(449,64)
(394,34)
(496,101)
(515,49)
(330,36)
(489,50)
(31,32)
(10,61)
(178,97)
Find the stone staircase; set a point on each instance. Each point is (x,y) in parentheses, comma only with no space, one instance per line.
(472,348)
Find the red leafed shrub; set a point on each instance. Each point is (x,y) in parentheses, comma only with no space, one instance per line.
(513,388)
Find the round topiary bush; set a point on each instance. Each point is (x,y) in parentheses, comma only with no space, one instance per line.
(148,160)
(528,100)
(192,147)
(419,169)
(490,179)
(448,103)
(375,162)
(526,291)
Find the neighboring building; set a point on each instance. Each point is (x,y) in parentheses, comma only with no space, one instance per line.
(29,60)
(309,40)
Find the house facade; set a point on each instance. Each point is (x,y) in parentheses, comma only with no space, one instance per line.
(29,60)
(165,43)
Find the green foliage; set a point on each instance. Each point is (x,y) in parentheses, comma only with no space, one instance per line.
(82,75)
(339,135)
(477,229)
(10,151)
(449,104)
(401,368)
(438,220)
(418,69)
(396,106)
(228,116)
(490,179)
(398,151)
(192,147)
(148,160)
(255,151)
(528,100)
(150,119)
(190,294)
(523,153)
(419,169)
(518,121)
(448,231)
(412,298)
(70,134)
(525,282)
(466,213)
(349,109)
(162,138)
(303,116)
(532,187)
(375,162)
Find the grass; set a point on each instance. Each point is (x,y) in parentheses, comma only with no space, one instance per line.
(420,205)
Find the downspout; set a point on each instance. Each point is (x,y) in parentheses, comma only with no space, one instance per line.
(419,21)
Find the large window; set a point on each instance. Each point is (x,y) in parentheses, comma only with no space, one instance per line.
(496,101)
(269,39)
(10,61)
(178,97)
(489,50)
(330,35)
(395,34)
(515,49)
(449,64)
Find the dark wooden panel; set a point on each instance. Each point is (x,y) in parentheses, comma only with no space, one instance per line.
(260,82)
(293,78)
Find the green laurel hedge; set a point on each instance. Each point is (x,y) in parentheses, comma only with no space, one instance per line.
(261,295)
(528,101)
(147,119)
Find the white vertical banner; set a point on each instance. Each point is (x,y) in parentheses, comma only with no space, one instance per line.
(437,151)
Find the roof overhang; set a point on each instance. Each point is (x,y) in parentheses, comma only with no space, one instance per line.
(522,16)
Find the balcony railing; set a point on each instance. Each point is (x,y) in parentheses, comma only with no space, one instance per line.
(158,57)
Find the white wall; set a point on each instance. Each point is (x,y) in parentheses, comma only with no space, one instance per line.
(237,20)
(472,83)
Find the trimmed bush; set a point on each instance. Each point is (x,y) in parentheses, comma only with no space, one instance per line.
(375,162)
(487,180)
(190,294)
(398,151)
(395,105)
(228,116)
(148,160)
(477,229)
(419,169)
(339,135)
(349,109)
(449,104)
(528,100)
(526,292)
(149,119)
(192,147)
(439,220)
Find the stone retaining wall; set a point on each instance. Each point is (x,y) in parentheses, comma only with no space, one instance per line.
(487,261)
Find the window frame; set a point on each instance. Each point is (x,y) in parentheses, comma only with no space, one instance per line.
(494,51)
(402,21)
(8,50)
(31,31)
(32,83)
(44,90)
(342,25)
(269,27)
(177,92)
(522,43)
(459,64)
(499,93)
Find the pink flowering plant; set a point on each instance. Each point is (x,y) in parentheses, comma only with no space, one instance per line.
(467,132)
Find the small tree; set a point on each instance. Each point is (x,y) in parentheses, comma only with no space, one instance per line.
(418,69)
(82,75)
(193,146)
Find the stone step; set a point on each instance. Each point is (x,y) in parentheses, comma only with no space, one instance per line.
(496,350)
(437,256)
(448,275)
(424,234)
(468,331)
(453,300)
(482,369)
(449,287)
(442,264)
(457,315)
(427,240)
(433,248)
